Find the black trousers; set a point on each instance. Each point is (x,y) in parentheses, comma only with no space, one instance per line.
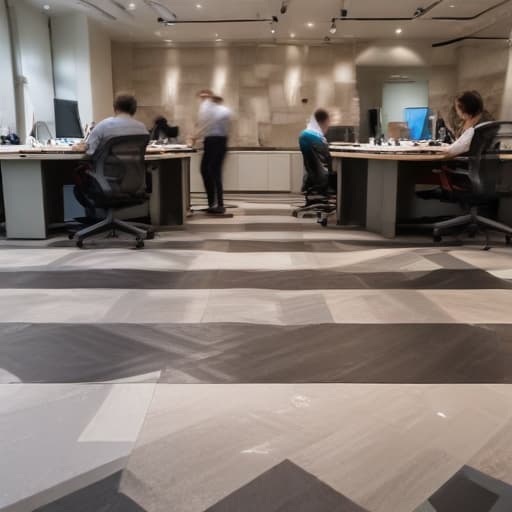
(215,149)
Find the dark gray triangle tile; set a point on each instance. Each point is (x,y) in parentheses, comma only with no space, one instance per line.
(102,496)
(286,488)
(470,490)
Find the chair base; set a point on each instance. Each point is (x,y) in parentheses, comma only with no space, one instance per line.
(319,206)
(473,223)
(112,225)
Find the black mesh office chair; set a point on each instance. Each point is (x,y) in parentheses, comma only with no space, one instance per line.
(116,181)
(478,181)
(319,188)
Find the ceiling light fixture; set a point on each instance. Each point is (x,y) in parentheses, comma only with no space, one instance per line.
(398,31)
(99,9)
(132,6)
(46,7)
(310,24)
(168,22)
(292,35)
(161,10)
(421,11)
(333,28)
(199,6)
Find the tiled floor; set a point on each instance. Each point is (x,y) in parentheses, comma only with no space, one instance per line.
(259,363)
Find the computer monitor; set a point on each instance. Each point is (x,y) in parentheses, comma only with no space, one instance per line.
(67,120)
(418,120)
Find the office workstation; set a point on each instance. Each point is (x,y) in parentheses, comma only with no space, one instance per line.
(255,256)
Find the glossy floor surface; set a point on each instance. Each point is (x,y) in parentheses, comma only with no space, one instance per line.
(256,363)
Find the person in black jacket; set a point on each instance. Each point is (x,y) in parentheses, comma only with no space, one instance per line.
(162,131)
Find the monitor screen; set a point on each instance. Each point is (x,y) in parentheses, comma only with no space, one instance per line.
(67,120)
(418,121)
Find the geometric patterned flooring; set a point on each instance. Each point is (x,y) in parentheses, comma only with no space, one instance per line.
(258,362)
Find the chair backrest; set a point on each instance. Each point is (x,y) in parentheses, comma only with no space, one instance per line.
(119,166)
(490,143)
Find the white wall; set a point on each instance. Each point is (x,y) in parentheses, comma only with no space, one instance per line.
(70,45)
(7,101)
(32,36)
(82,65)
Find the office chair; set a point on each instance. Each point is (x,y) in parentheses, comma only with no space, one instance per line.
(318,185)
(476,183)
(321,205)
(117,181)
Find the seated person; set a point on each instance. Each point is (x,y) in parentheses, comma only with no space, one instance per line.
(122,123)
(470,110)
(318,175)
(162,131)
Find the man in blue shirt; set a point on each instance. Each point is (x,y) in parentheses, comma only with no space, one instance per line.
(318,173)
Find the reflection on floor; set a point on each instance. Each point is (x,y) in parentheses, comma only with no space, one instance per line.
(99,350)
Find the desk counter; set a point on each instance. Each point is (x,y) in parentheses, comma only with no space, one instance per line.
(33,181)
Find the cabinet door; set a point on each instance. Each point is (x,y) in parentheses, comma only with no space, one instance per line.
(196,181)
(279,172)
(230,172)
(253,172)
(297,173)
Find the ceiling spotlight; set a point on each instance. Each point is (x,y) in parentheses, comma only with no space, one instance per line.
(310,24)
(272,28)
(132,6)
(398,31)
(199,6)
(46,7)
(292,35)
(218,40)
(168,40)
(333,28)
(284,6)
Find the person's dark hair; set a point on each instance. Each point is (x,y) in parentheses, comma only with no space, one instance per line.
(471,103)
(161,121)
(321,115)
(218,99)
(125,103)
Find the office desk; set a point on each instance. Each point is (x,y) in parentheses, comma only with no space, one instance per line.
(368,184)
(33,179)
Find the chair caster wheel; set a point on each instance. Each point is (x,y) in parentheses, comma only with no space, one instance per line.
(323,223)
(508,239)
(139,244)
(150,235)
(438,239)
(71,236)
(80,244)
(487,248)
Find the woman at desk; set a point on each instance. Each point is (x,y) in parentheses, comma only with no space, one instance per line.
(162,131)
(470,110)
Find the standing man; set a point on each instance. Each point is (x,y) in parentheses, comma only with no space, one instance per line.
(213,123)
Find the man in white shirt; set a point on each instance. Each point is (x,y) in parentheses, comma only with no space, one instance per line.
(214,121)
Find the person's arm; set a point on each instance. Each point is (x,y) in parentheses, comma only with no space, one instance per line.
(461,145)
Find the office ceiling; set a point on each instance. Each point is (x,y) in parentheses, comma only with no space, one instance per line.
(137,21)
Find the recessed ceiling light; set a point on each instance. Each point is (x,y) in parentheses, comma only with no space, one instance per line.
(199,6)
(452,6)
(168,40)
(46,7)
(398,31)
(132,6)
(158,33)
(310,24)
(292,35)
(218,40)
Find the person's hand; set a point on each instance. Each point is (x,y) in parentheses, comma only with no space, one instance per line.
(79,146)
